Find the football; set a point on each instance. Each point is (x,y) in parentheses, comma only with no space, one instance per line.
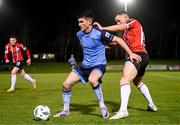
(42,112)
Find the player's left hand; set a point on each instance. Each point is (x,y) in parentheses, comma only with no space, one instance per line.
(135,56)
(28,61)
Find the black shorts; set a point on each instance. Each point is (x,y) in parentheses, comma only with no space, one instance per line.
(140,66)
(19,64)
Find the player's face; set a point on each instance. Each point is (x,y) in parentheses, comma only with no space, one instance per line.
(120,19)
(85,24)
(12,41)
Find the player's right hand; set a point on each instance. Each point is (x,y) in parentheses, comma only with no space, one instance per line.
(135,56)
(7,61)
(98,25)
(28,61)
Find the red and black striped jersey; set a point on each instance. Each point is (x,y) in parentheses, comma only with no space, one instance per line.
(16,52)
(134,36)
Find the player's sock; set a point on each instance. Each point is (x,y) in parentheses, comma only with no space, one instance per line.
(145,91)
(13,81)
(98,92)
(66,95)
(125,92)
(27,77)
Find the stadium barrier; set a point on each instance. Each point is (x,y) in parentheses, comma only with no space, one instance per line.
(4,68)
(149,67)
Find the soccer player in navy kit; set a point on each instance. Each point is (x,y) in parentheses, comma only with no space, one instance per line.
(93,65)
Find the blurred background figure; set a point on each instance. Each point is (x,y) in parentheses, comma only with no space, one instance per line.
(72,61)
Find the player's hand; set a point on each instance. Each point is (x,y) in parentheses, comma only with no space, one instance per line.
(28,62)
(98,25)
(135,57)
(7,61)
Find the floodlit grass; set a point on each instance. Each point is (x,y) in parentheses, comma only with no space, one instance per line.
(17,107)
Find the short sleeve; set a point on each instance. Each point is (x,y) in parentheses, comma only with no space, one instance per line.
(106,36)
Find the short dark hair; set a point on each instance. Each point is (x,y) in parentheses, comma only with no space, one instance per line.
(86,14)
(12,36)
(122,12)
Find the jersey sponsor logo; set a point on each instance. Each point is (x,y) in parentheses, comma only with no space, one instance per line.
(17,63)
(107,34)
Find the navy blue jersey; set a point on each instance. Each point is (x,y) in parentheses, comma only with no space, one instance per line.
(93,46)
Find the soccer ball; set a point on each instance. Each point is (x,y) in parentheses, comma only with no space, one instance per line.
(42,112)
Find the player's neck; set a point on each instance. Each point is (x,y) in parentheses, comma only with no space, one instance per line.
(13,45)
(88,30)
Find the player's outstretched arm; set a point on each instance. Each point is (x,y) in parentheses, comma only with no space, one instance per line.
(126,48)
(113,28)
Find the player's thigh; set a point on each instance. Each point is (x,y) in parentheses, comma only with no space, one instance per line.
(94,76)
(71,80)
(15,70)
(129,72)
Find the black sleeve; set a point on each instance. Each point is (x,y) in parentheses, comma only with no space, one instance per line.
(106,36)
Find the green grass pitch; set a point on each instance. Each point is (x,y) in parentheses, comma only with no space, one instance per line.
(17,107)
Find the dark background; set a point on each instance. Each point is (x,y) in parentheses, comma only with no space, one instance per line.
(50,26)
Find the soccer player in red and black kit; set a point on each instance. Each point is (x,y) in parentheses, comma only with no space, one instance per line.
(132,70)
(15,48)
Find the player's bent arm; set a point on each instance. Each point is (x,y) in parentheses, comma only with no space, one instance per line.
(115,28)
(26,50)
(126,48)
(28,62)
(6,55)
(28,53)
(122,44)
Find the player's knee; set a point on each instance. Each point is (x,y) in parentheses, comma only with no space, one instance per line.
(93,81)
(66,86)
(22,74)
(13,73)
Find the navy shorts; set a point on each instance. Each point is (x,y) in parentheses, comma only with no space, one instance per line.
(84,73)
(140,66)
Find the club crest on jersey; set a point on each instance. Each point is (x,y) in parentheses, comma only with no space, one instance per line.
(107,34)
(93,39)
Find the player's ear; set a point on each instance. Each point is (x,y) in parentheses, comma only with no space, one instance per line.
(90,20)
